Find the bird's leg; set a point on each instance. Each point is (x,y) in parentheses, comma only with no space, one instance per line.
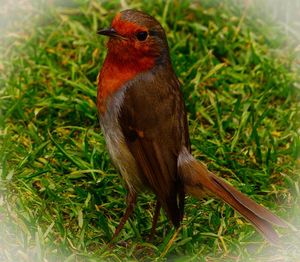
(131,201)
(155,218)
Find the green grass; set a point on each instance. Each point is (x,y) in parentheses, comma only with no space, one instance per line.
(60,196)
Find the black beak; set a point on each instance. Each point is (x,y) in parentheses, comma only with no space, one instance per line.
(109,32)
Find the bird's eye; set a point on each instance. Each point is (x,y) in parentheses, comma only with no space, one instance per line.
(142,35)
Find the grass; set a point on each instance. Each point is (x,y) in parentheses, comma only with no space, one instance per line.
(60,196)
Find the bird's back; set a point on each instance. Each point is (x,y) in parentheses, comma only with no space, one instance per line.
(151,117)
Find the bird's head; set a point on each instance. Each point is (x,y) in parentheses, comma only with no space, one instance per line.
(135,35)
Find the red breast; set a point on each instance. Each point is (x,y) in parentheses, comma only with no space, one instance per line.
(125,43)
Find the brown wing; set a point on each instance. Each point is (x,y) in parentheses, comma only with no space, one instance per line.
(154,124)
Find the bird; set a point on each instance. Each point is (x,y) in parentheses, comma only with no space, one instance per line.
(144,122)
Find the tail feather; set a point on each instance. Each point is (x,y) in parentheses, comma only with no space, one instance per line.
(248,203)
(198,180)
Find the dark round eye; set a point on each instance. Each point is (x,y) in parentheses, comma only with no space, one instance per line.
(141,36)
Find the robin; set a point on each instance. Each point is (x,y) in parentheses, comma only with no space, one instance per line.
(144,122)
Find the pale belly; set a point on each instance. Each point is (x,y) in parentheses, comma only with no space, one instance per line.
(115,141)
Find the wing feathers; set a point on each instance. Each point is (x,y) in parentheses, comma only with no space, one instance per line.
(155,109)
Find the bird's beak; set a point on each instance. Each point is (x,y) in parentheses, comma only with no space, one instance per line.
(108,32)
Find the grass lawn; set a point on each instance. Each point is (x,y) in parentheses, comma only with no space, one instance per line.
(60,196)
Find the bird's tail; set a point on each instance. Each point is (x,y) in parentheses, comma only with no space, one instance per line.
(198,181)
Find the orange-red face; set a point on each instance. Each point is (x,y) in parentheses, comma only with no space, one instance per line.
(137,43)
(140,37)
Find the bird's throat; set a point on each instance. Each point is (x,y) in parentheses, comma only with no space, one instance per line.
(116,71)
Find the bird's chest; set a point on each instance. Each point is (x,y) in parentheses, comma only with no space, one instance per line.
(115,141)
